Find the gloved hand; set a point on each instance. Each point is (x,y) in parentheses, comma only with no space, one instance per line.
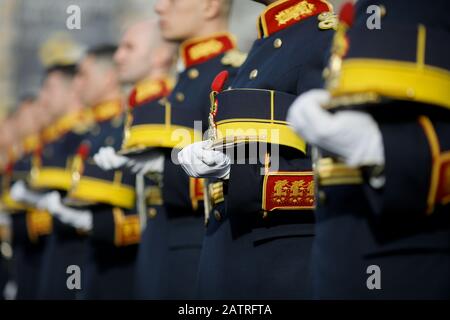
(152,162)
(5,226)
(200,161)
(107,159)
(50,202)
(79,219)
(20,193)
(353,135)
(5,220)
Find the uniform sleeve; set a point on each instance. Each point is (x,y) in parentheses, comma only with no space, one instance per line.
(29,226)
(311,73)
(414,167)
(112,225)
(176,191)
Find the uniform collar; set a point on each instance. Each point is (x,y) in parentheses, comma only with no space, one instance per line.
(285,13)
(69,121)
(50,133)
(30,143)
(65,124)
(199,50)
(14,154)
(107,110)
(150,90)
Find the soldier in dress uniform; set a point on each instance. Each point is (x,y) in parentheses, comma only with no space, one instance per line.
(170,247)
(51,172)
(6,139)
(260,225)
(141,59)
(99,205)
(144,60)
(382,131)
(29,227)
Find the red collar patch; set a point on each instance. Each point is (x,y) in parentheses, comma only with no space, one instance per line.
(199,50)
(149,90)
(285,13)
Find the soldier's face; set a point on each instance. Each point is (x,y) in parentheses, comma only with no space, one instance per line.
(56,88)
(180,20)
(27,118)
(43,117)
(133,56)
(6,134)
(90,81)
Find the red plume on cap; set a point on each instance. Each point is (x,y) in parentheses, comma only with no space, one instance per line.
(347,13)
(83,150)
(219,81)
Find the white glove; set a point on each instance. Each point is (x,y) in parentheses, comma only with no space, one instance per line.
(49,202)
(353,135)
(107,159)
(200,161)
(20,193)
(5,220)
(153,162)
(79,219)
(10,290)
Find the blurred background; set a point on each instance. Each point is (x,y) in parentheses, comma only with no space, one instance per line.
(29,29)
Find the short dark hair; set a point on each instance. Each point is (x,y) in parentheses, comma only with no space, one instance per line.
(68,70)
(28,96)
(104,51)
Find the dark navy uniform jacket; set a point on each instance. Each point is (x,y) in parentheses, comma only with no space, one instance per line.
(52,160)
(400,75)
(112,243)
(259,238)
(117,227)
(170,247)
(52,171)
(29,229)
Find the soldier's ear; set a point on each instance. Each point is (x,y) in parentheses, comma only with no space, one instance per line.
(112,78)
(213,9)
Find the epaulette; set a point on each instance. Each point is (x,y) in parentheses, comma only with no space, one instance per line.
(234,58)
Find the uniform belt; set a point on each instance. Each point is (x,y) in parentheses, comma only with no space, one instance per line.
(255,115)
(330,172)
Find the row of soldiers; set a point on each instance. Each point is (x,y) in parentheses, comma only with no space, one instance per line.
(317,166)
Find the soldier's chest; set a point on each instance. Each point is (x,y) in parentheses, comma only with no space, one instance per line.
(271,64)
(106,133)
(285,59)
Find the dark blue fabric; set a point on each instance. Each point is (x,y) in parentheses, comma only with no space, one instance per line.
(245,256)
